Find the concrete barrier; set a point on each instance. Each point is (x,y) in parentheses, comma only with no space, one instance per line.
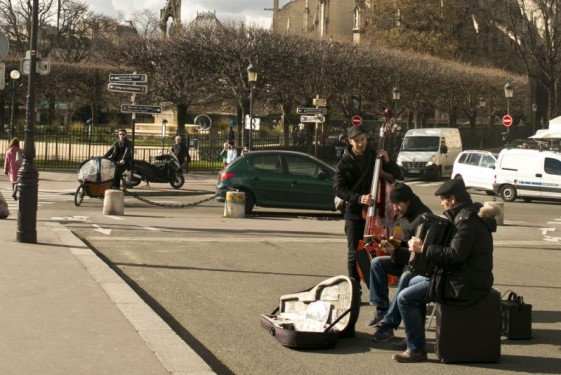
(234,206)
(500,216)
(114,202)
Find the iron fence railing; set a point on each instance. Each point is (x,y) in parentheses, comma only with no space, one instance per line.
(68,149)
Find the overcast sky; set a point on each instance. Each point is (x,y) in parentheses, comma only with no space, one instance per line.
(250,11)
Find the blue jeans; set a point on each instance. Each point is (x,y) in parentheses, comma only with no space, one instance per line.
(412,304)
(380,267)
(393,316)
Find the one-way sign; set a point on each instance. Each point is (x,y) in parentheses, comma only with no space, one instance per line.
(124,78)
(132,89)
(311,111)
(137,108)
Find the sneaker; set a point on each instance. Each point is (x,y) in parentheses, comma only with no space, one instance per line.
(410,356)
(375,322)
(383,334)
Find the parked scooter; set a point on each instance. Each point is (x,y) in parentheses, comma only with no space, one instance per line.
(167,169)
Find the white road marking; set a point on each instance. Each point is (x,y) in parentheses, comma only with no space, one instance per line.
(101,230)
(115,217)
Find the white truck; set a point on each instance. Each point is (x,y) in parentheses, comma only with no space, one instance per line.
(429,153)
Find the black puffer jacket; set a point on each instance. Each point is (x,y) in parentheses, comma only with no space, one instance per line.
(409,223)
(467,264)
(350,169)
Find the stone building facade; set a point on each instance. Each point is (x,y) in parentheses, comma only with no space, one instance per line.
(339,20)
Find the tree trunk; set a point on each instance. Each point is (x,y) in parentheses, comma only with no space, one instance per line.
(182,117)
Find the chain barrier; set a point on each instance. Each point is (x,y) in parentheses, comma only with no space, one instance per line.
(167,205)
(192,204)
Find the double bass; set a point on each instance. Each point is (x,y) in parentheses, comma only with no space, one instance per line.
(380,216)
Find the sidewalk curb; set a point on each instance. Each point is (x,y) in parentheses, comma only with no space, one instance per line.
(173,353)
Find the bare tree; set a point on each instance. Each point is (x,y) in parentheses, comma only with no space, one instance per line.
(534,29)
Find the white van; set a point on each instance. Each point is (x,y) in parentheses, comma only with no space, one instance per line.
(429,153)
(528,174)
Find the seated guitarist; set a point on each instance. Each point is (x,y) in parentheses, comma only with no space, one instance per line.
(352,183)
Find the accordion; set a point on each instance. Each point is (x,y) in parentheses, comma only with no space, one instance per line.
(434,230)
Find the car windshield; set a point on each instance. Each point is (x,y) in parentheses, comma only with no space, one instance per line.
(420,144)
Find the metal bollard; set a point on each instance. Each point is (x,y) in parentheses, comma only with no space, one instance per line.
(234,206)
(114,202)
(499,206)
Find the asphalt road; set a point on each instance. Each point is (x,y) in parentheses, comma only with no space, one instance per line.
(210,278)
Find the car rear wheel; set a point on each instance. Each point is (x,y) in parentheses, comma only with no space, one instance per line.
(249,202)
(508,193)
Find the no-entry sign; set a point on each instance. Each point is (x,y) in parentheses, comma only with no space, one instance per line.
(356,120)
(507,120)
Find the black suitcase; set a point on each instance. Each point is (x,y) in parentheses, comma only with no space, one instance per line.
(318,317)
(469,334)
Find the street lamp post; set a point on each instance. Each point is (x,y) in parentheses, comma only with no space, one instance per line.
(164,129)
(14,75)
(535,113)
(508,94)
(396,96)
(28,176)
(251,78)
(481,141)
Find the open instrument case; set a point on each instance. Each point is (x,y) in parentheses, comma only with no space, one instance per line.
(316,318)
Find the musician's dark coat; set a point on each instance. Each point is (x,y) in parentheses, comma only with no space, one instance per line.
(467,263)
(409,223)
(350,169)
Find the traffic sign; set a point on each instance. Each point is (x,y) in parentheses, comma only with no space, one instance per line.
(318,118)
(507,120)
(4,45)
(311,111)
(124,78)
(132,89)
(356,120)
(43,66)
(137,108)
(256,121)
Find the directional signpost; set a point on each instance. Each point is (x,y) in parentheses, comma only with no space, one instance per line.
(311,111)
(128,78)
(130,89)
(137,108)
(311,119)
(128,83)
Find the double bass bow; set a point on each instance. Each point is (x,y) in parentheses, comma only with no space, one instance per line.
(380,215)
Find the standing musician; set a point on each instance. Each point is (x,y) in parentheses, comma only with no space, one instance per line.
(353,181)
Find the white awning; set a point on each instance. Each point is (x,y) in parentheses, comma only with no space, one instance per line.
(546,134)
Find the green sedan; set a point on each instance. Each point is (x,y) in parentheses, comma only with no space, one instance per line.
(279,179)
